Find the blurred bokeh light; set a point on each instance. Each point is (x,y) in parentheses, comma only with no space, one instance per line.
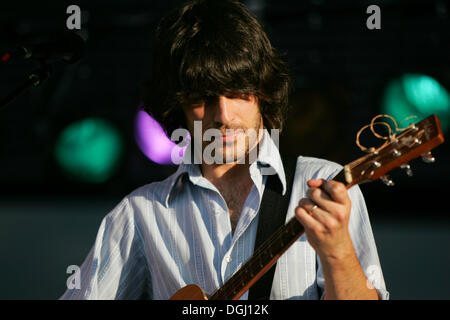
(153,141)
(416,95)
(89,150)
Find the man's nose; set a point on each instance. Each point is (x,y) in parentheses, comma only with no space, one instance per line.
(223,112)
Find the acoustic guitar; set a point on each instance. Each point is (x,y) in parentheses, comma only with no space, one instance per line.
(414,141)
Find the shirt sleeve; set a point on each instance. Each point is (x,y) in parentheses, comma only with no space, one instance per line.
(364,244)
(115,267)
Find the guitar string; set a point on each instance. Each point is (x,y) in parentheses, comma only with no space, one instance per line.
(372,151)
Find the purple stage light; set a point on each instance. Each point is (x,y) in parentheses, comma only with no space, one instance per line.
(153,141)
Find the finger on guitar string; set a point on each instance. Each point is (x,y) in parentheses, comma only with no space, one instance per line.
(322,199)
(318,213)
(309,222)
(336,191)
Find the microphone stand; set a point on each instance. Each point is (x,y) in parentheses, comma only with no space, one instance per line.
(36,78)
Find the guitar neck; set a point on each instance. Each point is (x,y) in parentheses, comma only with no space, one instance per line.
(263,258)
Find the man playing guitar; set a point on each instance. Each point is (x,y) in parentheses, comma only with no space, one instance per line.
(214,65)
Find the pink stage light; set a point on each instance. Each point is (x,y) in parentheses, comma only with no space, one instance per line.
(153,141)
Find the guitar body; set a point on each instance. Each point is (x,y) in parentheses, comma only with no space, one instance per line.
(190,292)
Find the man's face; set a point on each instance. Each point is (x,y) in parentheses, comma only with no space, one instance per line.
(237,117)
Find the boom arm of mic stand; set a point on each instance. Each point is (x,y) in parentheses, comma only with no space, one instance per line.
(36,78)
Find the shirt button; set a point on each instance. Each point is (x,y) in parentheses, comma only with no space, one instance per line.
(228,259)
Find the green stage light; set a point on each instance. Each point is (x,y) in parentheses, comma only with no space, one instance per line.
(89,150)
(418,95)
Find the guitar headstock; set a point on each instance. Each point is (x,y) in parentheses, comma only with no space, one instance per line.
(416,140)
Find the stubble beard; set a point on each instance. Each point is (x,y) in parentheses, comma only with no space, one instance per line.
(239,149)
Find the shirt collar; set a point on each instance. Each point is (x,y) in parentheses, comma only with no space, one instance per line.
(268,162)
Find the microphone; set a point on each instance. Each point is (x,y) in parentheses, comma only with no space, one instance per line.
(69,48)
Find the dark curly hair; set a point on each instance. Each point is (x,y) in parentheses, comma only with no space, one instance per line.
(208,48)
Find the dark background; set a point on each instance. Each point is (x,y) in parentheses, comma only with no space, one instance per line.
(339,68)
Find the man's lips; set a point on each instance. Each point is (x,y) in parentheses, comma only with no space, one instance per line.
(230,136)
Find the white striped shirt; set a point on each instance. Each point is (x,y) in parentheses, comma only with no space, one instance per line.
(168,234)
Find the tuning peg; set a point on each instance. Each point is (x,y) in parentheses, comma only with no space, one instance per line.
(427,157)
(387,181)
(407,169)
